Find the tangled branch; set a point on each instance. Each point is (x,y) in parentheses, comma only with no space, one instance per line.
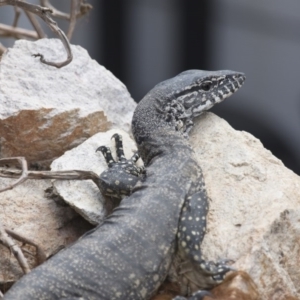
(6,240)
(23,175)
(78,8)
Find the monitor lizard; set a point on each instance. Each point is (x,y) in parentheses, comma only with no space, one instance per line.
(163,219)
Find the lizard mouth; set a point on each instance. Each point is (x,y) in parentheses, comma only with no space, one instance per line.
(228,87)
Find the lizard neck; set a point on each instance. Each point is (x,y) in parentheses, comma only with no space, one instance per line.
(162,144)
(153,134)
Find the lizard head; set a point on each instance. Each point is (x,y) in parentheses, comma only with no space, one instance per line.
(192,92)
(174,103)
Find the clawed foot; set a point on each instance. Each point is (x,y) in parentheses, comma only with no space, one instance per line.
(216,268)
(122,175)
(214,274)
(199,295)
(216,271)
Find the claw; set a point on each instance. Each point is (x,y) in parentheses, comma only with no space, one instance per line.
(199,295)
(107,155)
(116,136)
(135,157)
(225,261)
(215,269)
(102,149)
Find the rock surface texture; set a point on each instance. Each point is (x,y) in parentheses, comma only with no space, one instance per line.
(45,111)
(27,211)
(84,196)
(254,216)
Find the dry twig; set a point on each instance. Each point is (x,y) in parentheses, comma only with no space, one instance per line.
(78,9)
(17,16)
(72,18)
(36,25)
(23,175)
(2,49)
(40,254)
(5,239)
(18,33)
(83,9)
(43,13)
(27,174)
(16,250)
(61,175)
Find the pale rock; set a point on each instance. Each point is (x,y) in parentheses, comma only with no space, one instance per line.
(84,196)
(254,215)
(45,111)
(50,224)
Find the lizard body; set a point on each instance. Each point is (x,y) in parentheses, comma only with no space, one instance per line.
(130,254)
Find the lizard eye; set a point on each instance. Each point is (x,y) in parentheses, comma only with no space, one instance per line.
(206,86)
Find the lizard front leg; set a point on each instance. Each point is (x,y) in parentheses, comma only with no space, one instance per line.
(122,175)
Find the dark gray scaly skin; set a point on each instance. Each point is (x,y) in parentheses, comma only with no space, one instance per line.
(164,218)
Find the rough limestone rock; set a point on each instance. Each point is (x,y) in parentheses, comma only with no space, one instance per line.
(254,216)
(84,196)
(51,224)
(45,111)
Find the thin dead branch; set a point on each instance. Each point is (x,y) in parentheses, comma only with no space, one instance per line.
(23,175)
(7,241)
(43,13)
(16,32)
(2,49)
(73,9)
(55,12)
(17,16)
(83,9)
(36,25)
(40,254)
(78,8)
(62,175)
